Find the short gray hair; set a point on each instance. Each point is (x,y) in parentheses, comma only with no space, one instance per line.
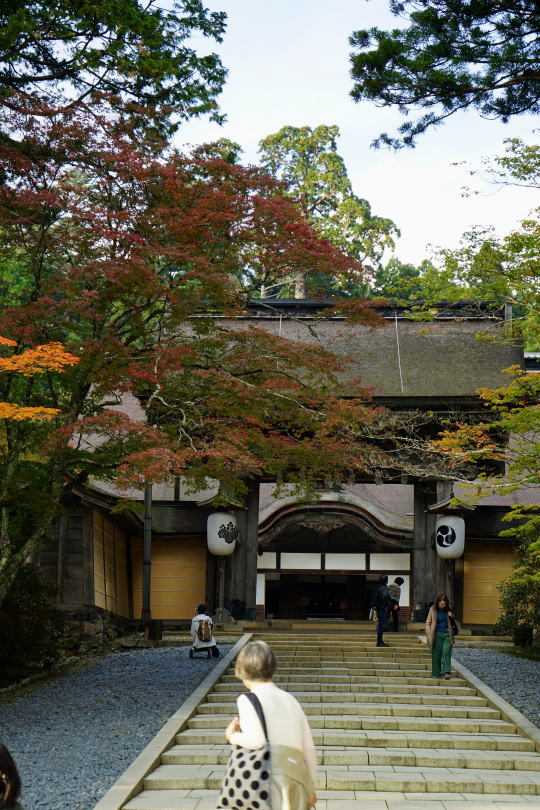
(255,662)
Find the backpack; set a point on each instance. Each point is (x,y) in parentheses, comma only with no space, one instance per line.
(455,625)
(204,630)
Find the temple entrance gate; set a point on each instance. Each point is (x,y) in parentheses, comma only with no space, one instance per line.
(322,562)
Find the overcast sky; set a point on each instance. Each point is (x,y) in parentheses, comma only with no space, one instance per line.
(288,63)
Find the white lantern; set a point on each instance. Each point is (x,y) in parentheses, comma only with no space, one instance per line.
(450,536)
(221,533)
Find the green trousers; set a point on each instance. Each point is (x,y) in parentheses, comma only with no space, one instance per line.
(441,655)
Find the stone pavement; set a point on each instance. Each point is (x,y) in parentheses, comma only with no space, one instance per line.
(388,735)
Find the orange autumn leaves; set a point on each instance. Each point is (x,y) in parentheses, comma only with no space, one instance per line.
(46,357)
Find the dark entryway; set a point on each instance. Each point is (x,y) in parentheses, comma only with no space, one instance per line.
(318,596)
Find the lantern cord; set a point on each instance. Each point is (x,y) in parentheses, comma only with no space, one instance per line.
(398,354)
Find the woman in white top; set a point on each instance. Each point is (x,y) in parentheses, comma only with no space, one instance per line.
(197,643)
(293,760)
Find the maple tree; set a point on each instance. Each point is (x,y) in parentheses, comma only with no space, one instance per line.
(49,357)
(142,264)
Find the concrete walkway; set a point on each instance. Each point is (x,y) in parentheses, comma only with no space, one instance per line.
(388,735)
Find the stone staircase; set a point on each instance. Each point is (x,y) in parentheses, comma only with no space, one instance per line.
(388,735)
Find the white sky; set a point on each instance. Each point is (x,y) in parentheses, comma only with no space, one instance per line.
(288,63)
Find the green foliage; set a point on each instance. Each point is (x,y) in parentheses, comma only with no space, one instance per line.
(30,626)
(138,55)
(451,55)
(308,162)
(514,418)
(485,267)
(520,592)
(400,281)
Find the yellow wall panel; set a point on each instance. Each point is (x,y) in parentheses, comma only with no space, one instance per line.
(178,579)
(481,588)
(484,566)
(100,601)
(110,566)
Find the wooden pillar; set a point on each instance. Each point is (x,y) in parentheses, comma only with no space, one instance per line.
(432,575)
(241,572)
(252,529)
(425,565)
(236,564)
(61,559)
(446,568)
(146,615)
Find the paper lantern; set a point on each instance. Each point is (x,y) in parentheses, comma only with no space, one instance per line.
(221,533)
(450,536)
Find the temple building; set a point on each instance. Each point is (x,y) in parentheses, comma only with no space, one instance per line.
(321,560)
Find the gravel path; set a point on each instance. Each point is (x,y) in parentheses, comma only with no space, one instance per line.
(72,739)
(517,680)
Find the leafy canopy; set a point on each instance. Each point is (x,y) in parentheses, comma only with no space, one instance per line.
(484,266)
(308,162)
(451,55)
(137,54)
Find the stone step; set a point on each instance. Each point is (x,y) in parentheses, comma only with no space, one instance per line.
(345,800)
(355,677)
(354,640)
(375,708)
(388,721)
(422,758)
(377,777)
(345,692)
(290,641)
(336,667)
(365,680)
(384,729)
(358,662)
(348,650)
(383,653)
(332,674)
(306,698)
(386,738)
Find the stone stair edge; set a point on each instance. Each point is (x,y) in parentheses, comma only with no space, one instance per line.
(131,781)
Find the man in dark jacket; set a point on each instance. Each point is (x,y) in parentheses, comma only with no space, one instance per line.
(382,605)
(394,592)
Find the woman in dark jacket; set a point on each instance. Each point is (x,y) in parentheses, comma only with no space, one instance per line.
(440,637)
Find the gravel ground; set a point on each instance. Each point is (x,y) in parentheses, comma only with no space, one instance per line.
(72,739)
(517,680)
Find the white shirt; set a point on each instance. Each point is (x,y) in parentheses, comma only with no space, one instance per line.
(286,723)
(197,643)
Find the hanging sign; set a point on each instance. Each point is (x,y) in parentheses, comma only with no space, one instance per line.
(450,536)
(221,533)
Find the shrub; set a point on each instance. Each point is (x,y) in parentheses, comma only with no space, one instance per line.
(30,626)
(520,592)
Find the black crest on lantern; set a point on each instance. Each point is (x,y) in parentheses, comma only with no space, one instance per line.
(446,536)
(228,532)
